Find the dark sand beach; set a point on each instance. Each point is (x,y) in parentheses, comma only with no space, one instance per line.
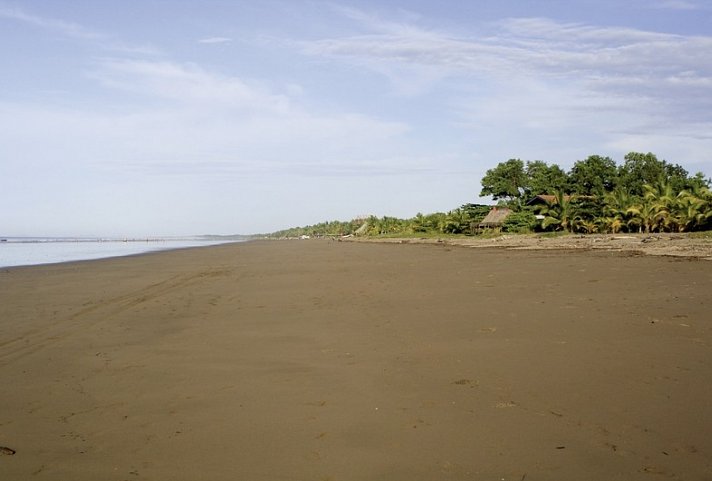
(323,360)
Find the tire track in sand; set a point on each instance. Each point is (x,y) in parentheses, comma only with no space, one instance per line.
(38,338)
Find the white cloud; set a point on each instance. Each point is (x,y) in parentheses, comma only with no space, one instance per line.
(675,5)
(527,75)
(75,31)
(534,45)
(176,143)
(186,83)
(180,167)
(215,40)
(416,60)
(197,121)
(65,28)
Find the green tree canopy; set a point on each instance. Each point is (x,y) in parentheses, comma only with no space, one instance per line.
(594,176)
(644,194)
(508,180)
(545,179)
(639,169)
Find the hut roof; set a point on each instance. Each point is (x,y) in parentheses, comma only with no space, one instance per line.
(551,199)
(495,217)
(545,199)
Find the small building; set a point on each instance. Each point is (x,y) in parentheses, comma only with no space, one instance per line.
(495,218)
(548,199)
(545,199)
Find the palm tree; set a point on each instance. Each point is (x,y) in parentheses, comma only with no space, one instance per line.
(663,200)
(419,223)
(456,221)
(612,224)
(438,221)
(693,208)
(384,225)
(705,195)
(560,212)
(588,226)
(643,215)
(615,209)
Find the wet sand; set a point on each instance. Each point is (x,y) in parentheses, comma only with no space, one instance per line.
(322,360)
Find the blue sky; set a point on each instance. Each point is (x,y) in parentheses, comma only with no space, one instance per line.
(150,117)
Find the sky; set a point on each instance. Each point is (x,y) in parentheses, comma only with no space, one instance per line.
(177,117)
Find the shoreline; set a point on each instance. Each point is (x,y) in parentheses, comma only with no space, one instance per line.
(357,361)
(656,244)
(117,254)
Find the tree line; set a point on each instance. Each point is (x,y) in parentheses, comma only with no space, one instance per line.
(643,194)
(462,220)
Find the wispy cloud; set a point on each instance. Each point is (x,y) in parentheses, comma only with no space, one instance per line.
(605,78)
(65,28)
(170,139)
(74,30)
(537,45)
(214,40)
(186,83)
(674,5)
(201,121)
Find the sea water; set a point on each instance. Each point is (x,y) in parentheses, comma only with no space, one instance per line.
(24,251)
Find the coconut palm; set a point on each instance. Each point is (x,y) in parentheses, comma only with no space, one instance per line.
(644,215)
(692,209)
(613,224)
(559,212)
(615,210)
(419,223)
(588,226)
(456,221)
(662,199)
(705,195)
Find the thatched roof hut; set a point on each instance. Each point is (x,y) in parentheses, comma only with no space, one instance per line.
(545,199)
(495,218)
(551,199)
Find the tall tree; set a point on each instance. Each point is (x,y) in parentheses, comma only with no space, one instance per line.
(698,182)
(508,180)
(640,169)
(545,179)
(594,176)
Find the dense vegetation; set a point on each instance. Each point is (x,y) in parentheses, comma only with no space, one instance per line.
(643,194)
(462,220)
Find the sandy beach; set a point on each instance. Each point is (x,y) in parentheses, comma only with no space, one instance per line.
(655,244)
(344,361)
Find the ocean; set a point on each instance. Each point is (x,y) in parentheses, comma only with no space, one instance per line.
(25,251)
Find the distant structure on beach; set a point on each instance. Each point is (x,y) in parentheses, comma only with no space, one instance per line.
(544,199)
(495,218)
